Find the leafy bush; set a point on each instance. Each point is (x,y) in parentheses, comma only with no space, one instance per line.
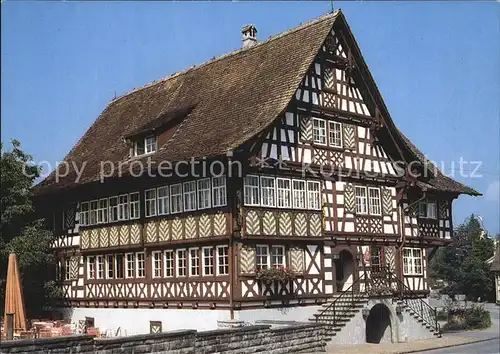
(475,317)
(442,315)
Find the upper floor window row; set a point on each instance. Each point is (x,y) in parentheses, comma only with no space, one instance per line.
(427,209)
(281,192)
(326,132)
(176,198)
(368,200)
(146,145)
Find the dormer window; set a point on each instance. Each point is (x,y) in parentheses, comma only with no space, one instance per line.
(427,209)
(145,145)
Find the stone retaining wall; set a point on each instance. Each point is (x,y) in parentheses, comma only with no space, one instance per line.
(250,339)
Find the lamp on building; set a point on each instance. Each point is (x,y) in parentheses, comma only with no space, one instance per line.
(365,312)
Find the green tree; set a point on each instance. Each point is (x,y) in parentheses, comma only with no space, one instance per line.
(462,265)
(21,232)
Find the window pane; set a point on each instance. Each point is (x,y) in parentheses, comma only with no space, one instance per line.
(361,203)
(313,195)
(299,194)
(319,131)
(262,256)
(284,191)
(335,134)
(374,200)
(219,191)
(252,195)
(176,198)
(150,202)
(189,196)
(204,200)
(150,144)
(163,200)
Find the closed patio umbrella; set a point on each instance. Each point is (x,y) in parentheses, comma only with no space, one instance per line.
(14,301)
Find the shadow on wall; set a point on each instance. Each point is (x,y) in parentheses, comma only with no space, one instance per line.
(378,325)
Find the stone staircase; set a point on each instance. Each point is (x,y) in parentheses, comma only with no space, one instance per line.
(419,316)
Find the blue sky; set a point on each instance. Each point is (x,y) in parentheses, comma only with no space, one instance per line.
(436,64)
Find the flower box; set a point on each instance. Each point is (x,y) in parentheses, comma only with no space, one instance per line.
(275,274)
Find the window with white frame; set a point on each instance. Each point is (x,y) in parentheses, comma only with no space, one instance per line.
(176,198)
(100,267)
(319,131)
(222,260)
(110,266)
(123,207)
(361,201)
(204,192)
(374,201)
(412,261)
(194,262)
(313,195)
(267,189)
(145,145)
(157,264)
(208,261)
(102,211)
(113,209)
(169,263)
(299,194)
(335,134)
(129,265)
(163,200)
(84,213)
(181,263)
(119,266)
(277,256)
(150,202)
(141,264)
(90,267)
(262,256)
(251,190)
(283,192)
(219,191)
(135,210)
(189,189)
(427,209)
(93,212)
(67,269)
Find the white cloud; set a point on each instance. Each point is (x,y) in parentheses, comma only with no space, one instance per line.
(493,191)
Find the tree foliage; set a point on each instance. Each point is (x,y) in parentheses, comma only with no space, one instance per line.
(462,265)
(21,232)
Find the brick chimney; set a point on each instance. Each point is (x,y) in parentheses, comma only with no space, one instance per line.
(249,36)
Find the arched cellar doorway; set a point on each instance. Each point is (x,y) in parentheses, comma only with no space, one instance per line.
(378,325)
(344,270)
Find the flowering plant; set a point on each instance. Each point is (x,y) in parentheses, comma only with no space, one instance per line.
(280,273)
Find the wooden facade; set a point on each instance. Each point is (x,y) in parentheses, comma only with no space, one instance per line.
(331,200)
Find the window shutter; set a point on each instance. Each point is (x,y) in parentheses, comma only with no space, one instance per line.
(349,142)
(73,268)
(247,260)
(387,201)
(305,128)
(349,199)
(296,259)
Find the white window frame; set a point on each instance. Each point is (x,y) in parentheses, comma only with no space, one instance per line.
(67,269)
(123,207)
(110,266)
(84,213)
(194,262)
(268,193)
(164,200)
(262,256)
(102,211)
(150,144)
(176,203)
(156,264)
(219,197)
(100,267)
(91,267)
(150,202)
(224,256)
(318,132)
(413,261)
(204,193)
(251,190)
(180,267)
(189,195)
(361,200)
(283,193)
(169,257)
(119,265)
(129,265)
(93,206)
(374,204)
(134,207)
(113,209)
(427,209)
(272,254)
(140,265)
(314,196)
(335,141)
(208,261)
(298,193)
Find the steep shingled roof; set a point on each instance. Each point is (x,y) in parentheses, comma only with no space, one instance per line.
(227,102)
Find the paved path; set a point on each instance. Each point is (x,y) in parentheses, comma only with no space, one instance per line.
(486,347)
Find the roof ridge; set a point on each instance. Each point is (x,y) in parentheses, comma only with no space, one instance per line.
(234,52)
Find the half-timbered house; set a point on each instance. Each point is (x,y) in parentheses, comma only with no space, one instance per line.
(280,154)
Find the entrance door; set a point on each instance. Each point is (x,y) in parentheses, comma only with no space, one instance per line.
(344,270)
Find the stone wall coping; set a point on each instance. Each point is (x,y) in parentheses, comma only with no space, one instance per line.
(216,332)
(44,341)
(142,337)
(300,325)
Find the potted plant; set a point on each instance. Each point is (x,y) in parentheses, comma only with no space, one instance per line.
(274,274)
